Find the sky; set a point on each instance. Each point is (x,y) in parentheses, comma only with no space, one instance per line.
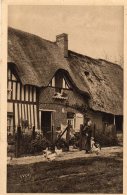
(95,31)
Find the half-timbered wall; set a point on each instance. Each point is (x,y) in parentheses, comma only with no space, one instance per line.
(22,106)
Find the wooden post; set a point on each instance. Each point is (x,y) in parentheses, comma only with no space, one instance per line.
(94,130)
(18,142)
(114,128)
(80,141)
(52,134)
(114,121)
(33,133)
(60,136)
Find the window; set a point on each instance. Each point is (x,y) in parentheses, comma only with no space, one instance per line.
(67,85)
(71,122)
(9,74)
(70,119)
(86,73)
(60,82)
(13,77)
(10,125)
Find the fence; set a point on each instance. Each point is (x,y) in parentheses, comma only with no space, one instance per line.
(16,142)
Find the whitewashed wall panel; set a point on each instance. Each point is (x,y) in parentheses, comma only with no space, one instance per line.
(25,106)
(18,91)
(14,91)
(16,115)
(28,107)
(34,94)
(20,115)
(13,77)
(22,97)
(23,112)
(32,119)
(10,107)
(35,114)
(30,94)
(9,90)
(26,92)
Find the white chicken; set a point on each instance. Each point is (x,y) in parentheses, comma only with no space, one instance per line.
(58,151)
(46,151)
(49,155)
(95,147)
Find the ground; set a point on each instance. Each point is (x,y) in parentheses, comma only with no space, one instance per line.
(72,172)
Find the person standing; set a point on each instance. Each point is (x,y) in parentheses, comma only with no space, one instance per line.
(83,136)
(68,135)
(87,133)
(88,136)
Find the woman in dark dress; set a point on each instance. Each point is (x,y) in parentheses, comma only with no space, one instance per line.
(68,135)
(87,131)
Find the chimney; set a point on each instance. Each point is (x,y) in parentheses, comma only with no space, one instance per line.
(62,42)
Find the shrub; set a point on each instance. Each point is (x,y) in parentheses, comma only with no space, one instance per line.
(11,139)
(11,145)
(25,144)
(32,146)
(39,144)
(106,139)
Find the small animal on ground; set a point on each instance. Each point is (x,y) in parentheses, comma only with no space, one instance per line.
(49,155)
(95,147)
(58,151)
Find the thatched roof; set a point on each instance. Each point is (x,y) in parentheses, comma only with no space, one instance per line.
(37,60)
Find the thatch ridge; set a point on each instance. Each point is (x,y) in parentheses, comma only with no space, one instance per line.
(21,32)
(38,60)
(87,58)
(109,62)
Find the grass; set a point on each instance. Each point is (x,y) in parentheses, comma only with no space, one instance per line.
(91,175)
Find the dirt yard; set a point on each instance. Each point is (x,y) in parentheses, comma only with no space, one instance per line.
(74,172)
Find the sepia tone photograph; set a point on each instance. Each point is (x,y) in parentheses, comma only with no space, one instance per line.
(65,99)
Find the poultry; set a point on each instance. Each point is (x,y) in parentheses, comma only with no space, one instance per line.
(58,151)
(49,155)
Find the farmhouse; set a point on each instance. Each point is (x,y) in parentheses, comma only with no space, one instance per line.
(50,86)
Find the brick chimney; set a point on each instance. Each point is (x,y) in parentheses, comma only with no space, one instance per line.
(62,42)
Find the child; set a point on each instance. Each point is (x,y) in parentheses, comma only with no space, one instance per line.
(95,147)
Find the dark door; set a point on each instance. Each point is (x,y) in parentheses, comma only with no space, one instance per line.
(119,123)
(46,124)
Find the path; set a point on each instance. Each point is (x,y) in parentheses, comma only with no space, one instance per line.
(105,152)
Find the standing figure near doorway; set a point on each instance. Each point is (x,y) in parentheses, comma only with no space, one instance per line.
(87,134)
(68,135)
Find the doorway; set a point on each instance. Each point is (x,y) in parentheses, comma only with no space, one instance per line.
(46,124)
(119,123)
